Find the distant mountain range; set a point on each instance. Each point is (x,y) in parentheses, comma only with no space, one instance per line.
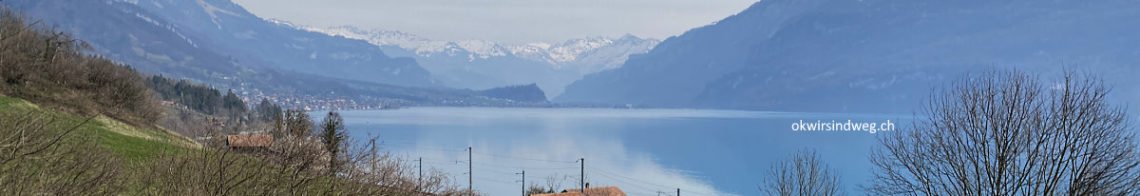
(220,43)
(870,55)
(478,64)
(245,36)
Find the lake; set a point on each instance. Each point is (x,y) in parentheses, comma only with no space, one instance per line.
(643,151)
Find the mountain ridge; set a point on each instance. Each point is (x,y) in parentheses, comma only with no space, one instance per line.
(557,53)
(866,56)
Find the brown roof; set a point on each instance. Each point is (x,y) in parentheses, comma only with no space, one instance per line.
(250,140)
(600,191)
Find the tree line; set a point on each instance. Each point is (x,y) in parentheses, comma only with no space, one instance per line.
(197,97)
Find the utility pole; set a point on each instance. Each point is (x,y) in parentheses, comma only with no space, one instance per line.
(420,165)
(582,177)
(470,182)
(523,182)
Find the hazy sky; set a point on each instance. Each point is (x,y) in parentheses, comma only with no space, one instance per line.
(512,21)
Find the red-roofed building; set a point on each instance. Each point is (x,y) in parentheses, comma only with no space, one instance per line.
(249,142)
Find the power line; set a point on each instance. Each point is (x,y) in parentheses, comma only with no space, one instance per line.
(442,162)
(500,165)
(523,167)
(496,170)
(527,158)
(495,180)
(419,148)
(546,168)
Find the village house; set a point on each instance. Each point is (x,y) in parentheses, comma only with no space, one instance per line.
(252,143)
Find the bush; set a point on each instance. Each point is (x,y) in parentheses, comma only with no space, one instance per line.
(51,69)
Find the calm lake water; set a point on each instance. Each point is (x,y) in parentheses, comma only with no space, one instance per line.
(643,151)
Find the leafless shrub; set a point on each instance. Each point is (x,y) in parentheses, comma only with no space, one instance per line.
(206,171)
(51,69)
(35,160)
(372,171)
(534,189)
(555,182)
(298,162)
(804,174)
(1005,133)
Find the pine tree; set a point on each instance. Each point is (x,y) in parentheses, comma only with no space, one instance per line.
(267,111)
(232,103)
(333,138)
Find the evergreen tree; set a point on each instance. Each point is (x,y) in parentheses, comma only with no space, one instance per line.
(333,138)
(233,103)
(297,123)
(267,111)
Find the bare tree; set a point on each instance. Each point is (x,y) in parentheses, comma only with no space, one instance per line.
(804,174)
(1004,133)
(555,182)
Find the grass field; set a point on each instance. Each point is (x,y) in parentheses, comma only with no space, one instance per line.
(129,142)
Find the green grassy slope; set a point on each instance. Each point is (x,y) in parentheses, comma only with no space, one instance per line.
(128,142)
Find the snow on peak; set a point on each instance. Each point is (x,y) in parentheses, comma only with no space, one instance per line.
(285,23)
(422,46)
(556,53)
(483,49)
(571,49)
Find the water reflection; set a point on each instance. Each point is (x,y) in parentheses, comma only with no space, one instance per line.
(702,152)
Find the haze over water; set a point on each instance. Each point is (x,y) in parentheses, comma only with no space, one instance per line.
(702,152)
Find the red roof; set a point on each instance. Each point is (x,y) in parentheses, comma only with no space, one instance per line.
(249,141)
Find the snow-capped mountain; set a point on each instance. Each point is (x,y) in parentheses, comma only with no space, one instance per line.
(556,53)
(482,64)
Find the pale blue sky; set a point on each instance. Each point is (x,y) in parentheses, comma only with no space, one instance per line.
(511,21)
